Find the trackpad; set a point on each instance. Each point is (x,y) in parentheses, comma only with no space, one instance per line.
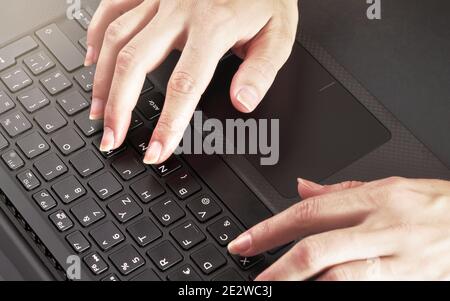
(323,128)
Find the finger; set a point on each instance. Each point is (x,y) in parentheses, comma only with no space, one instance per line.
(314,215)
(375,269)
(118,34)
(106,12)
(140,56)
(265,56)
(189,80)
(308,189)
(317,253)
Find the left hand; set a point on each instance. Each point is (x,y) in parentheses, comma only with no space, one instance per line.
(392,229)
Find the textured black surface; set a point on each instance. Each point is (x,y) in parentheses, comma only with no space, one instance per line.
(402,59)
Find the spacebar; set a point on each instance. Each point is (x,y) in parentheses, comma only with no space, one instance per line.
(233,193)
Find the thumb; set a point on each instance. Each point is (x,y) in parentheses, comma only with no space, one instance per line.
(265,55)
(308,189)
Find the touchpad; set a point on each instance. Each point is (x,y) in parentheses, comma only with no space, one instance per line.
(323,128)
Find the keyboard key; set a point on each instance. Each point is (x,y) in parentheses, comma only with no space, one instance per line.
(224,231)
(3,142)
(56,82)
(83,43)
(28,180)
(185,274)
(107,236)
(78,242)
(9,53)
(229,275)
(147,275)
(188,235)
(50,120)
(150,104)
(51,167)
(204,208)
(140,139)
(6,102)
(147,189)
(168,167)
(111,153)
(13,160)
(144,231)
(85,78)
(33,145)
(183,185)
(86,163)
(38,63)
(105,186)
(167,212)
(15,124)
(69,189)
(68,142)
(61,221)
(89,127)
(208,259)
(88,212)
(246,263)
(124,208)
(96,263)
(127,260)
(61,47)
(128,166)
(136,121)
(165,255)
(83,18)
(44,200)
(73,103)
(16,79)
(148,85)
(111,277)
(33,100)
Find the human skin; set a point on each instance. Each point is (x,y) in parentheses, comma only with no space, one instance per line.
(129,38)
(391,229)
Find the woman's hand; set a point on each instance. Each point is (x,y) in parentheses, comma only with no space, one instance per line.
(392,229)
(130,38)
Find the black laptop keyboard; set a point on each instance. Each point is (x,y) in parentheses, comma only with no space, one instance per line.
(127,221)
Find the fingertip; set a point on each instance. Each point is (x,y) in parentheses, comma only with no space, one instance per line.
(153,153)
(246,99)
(90,56)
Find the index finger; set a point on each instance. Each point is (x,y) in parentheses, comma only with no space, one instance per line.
(189,80)
(311,216)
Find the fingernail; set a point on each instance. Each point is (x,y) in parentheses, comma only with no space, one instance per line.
(308,184)
(96,109)
(89,59)
(248,98)
(153,153)
(107,143)
(240,244)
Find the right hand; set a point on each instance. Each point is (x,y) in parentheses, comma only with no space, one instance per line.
(130,38)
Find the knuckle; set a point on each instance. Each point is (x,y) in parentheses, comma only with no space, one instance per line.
(115,32)
(182,83)
(167,125)
(264,66)
(308,253)
(217,15)
(126,59)
(305,210)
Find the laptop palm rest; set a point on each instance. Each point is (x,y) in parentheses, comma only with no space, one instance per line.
(323,128)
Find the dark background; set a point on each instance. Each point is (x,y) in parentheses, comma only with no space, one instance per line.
(402,59)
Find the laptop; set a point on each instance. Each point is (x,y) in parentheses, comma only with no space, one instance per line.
(81,214)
